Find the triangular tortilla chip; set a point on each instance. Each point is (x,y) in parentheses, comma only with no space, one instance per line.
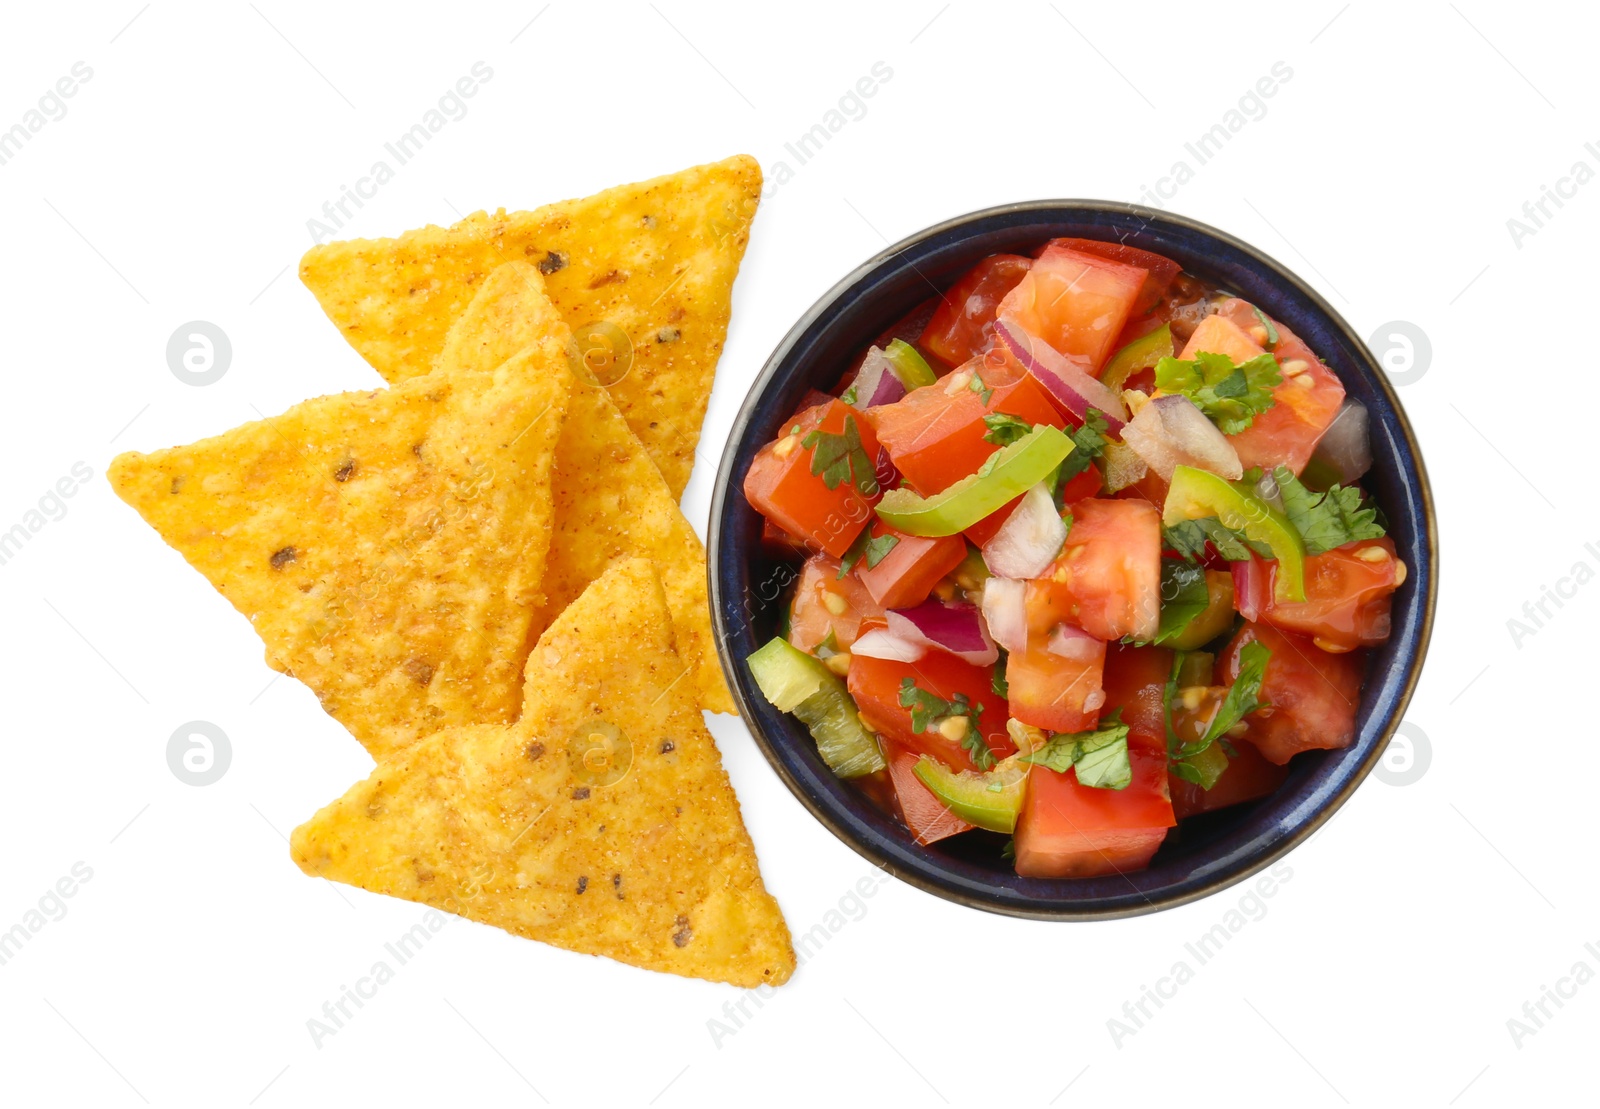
(656,260)
(387,546)
(610,500)
(602,821)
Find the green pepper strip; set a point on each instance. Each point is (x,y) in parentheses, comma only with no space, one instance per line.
(1196,494)
(1010,472)
(1141,354)
(909,366)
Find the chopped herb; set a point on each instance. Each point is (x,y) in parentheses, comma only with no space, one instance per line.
(1189,537)
(1100,756)
(1230,395)
(828,647)
(873,549)
(1195,761)
(1271,328)
(1009,851)
(1004,428)
(839,457)
(849,396)
(1326,520)
(997,679)
(977,386)
(1088,444)
(926,708)
(1184,595)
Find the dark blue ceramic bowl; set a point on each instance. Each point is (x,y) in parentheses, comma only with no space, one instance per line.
(749,587)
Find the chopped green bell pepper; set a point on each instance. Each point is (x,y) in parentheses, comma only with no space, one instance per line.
(909,366)
(1196,494)
(991,800)
(1010,472)
(1141,354)
(795,682)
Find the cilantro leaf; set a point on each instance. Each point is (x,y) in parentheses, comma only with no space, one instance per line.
(1202,761)
(1088,443)
(1100,756)
(1189,537)
(1009,851)
(839,457)
(977,386)
(1326,520)
(1184,595)
(872,548)
(927,708)
(1245,695)
(997,678)
(849,396)
(1230,395)
(1004,428)
(828,647)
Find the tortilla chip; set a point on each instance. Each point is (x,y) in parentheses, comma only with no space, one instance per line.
(656,260)
(610,500)
(601,821)
(387,546)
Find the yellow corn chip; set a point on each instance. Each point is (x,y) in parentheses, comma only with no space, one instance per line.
(601,821)
(610,501)
(643,274)
(387,546)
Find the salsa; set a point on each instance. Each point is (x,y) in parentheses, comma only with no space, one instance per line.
(1085,556)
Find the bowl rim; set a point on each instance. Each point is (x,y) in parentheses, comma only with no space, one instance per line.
(1301,832)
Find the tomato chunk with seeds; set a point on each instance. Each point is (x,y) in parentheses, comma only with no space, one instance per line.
(914,565)
(1312,695)
(826,604)
(875,684)
(1075,302)
(1107,579)
(963,324)
(1348,594)
(1135,682)
(1307,399)
(782,487)
(1067,830)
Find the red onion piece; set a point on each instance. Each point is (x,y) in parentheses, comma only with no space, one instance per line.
(1029,540)
(1074,643)
(1346,447)
(879,643)
(876,382)
(1170,432)
(1005,612)
(1065,380)
(950,626)
(1252,587)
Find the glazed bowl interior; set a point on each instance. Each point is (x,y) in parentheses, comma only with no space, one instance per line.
(750,586)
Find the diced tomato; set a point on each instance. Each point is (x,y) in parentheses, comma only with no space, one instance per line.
(1067,830)
(1221,334)
(781,486)
(1159,269)
(1075,302)
(1313,695)
(1135,682)
(1107,579)
(1082,486)
(821,591)
(924,814)
(1249,776)
(1150,490)
(1347,596)
(907,574)
(963,324)
(1054,692)
(1287,433)
(875,685)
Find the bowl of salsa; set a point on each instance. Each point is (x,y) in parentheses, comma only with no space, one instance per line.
(1072,559)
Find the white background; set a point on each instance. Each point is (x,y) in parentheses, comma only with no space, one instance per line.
(177,187)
